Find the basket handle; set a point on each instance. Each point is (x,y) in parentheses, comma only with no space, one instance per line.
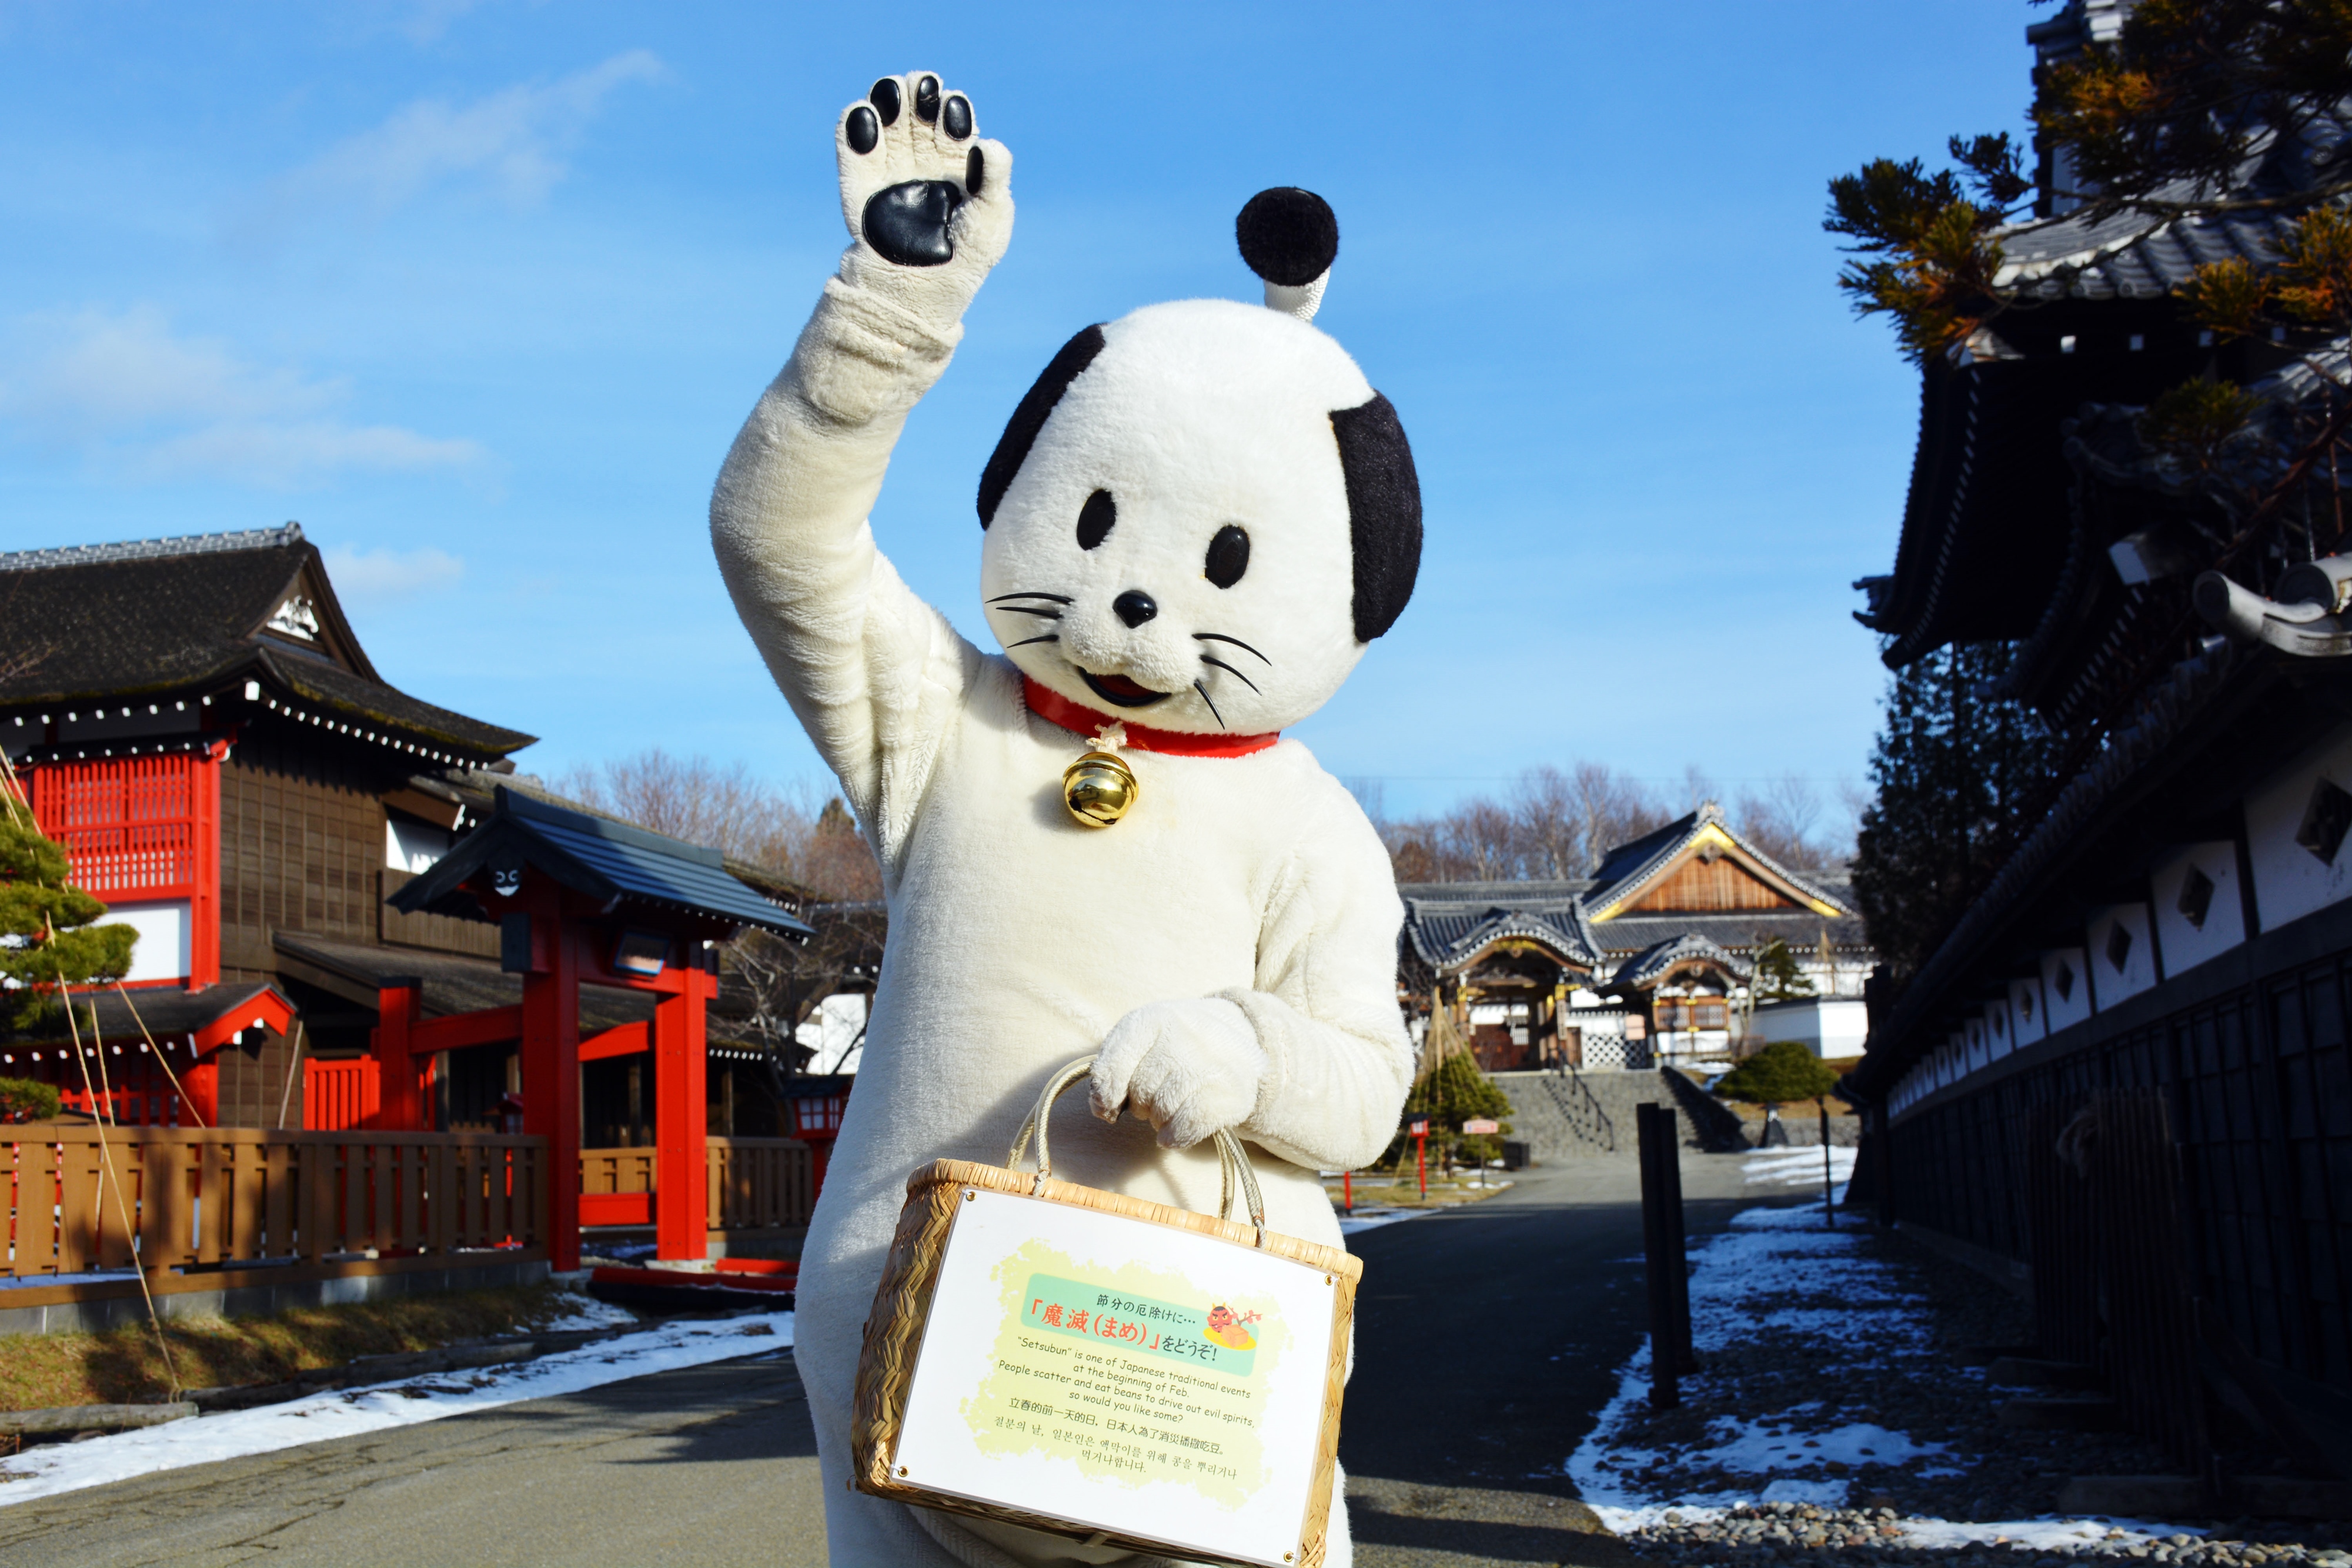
(1233,1161)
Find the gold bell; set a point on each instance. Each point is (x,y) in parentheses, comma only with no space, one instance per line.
(1098,789)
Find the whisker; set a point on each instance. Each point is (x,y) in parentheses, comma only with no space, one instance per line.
(1213,705)
(1210,659)
(1031,610)
(1057,598)
(1237,641)
(1048,637)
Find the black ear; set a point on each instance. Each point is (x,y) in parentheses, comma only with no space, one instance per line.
(1029,418)
(1383,511)
(1288,236)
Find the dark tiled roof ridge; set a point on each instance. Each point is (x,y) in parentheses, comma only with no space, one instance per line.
(152,549)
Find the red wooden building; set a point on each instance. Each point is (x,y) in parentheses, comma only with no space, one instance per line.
(352,911)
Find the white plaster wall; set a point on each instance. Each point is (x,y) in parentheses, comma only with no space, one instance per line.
(2187,945)
(2290,881)
(2138,971)
(164,931)
(2068,1003)
(831,1029)
(1828,1026)
(2029,1019)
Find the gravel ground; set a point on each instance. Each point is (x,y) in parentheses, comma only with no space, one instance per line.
(1790,1382)
(1800,1533)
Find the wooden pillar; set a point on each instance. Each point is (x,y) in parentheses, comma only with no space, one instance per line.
(681,1119)
(396,1010)
(550,1071)
(205,899)
(202,1084)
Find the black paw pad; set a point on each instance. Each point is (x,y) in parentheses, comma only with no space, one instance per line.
(908,223)
(955,118)
(926,99)
(1288,236)
(884,97)
(864,131)
(975,168)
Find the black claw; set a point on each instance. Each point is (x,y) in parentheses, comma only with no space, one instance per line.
(864,133)
(973,168)
(885,99)
(956,118)
(907,223)
(926,99)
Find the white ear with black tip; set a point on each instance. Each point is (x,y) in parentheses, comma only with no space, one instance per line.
(1290,238)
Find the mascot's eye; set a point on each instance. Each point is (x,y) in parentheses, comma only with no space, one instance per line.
(1228,557)
(1095,520)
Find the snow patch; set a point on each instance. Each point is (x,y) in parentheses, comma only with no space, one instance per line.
(69,1467)
(1786,1167)
(1737,1280)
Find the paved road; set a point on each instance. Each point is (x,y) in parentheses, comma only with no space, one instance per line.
(1487,1339)
(708,1466)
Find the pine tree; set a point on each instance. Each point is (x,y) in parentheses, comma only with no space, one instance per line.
(1451,1093)
(48,930)
(2157,122)
(1778,977)
(1778,1074)
(1952,768)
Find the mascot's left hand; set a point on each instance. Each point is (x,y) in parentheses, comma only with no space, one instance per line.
(1188,1068)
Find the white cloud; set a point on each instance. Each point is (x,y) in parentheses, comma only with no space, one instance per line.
(375,576)
(513,142)
(129,392)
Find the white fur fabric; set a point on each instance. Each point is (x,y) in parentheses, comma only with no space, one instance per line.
(1230,947)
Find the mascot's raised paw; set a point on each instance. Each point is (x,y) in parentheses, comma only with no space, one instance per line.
(919,188)
(1187,1067)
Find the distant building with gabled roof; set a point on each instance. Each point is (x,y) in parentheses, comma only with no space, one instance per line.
(1647,960)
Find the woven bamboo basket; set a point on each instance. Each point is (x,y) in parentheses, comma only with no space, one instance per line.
(1112,1370)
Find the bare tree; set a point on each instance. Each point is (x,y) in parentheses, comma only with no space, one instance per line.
(728,808)
(1551,829)
(1615,809)
(1785,819)
(826,867)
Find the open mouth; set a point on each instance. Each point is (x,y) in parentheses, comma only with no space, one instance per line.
(1120,692)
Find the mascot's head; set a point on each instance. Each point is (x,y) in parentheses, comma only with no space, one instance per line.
(1202,513)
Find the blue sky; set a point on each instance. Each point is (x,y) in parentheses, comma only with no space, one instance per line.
(480,292)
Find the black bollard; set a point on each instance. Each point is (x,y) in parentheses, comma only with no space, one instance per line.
(1662,1246)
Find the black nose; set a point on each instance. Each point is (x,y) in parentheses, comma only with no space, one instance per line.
(1134,607)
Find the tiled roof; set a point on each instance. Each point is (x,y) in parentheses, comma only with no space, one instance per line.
(1648,967)
(451,982)
(1447,934)
(91,622)
(166,1012)
(1800,928)
(1631,867)
(597,856)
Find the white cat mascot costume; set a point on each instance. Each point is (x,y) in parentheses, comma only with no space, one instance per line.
(1196,521)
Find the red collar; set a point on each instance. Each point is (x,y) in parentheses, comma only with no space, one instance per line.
(1054,709)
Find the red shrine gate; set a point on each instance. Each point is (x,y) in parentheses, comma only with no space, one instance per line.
(580,900)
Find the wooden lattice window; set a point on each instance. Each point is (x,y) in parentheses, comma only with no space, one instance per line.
(128,823)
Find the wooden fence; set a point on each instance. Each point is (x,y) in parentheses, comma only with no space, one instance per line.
(754,1184)
(212,1201)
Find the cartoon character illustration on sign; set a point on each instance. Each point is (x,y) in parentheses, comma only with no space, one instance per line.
(1195,523)
(1227,1330)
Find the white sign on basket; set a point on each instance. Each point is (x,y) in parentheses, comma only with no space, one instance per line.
(1145,1380)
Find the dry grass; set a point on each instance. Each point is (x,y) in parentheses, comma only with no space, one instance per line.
(1375,1191)
(123,1366)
